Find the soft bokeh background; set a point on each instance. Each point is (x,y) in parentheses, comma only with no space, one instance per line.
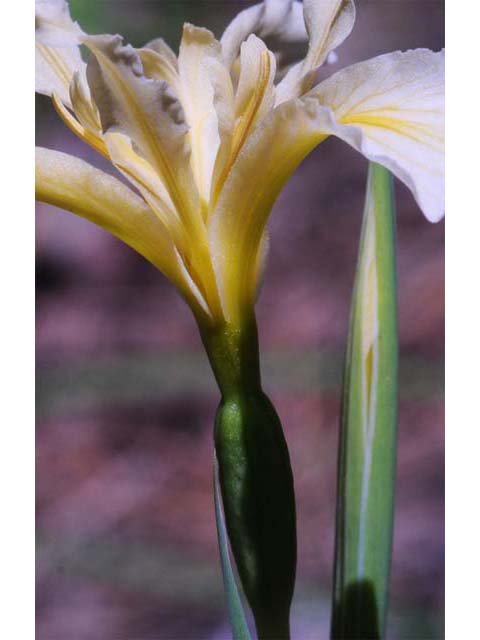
(126,537)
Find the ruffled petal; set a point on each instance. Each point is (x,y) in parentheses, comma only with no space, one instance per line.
(147,112)
(328,23)
(70,183)
(391,109)
(151,116)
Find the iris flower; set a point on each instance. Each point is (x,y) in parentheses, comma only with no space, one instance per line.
(207,139)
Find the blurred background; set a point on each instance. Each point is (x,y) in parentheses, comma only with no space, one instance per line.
(125,399)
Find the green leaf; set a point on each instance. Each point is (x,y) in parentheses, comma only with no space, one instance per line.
(367,455)
(235,607)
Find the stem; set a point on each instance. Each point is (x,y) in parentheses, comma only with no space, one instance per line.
(367,452)
(255,478)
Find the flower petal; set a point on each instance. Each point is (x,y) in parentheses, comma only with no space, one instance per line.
(84,133)
(54,70)
(160,62)
(269,156)
(57,54)
(143,177)
(148,113)
(164,50)
(328,23)
(254,98)
(53,25)
(255,94)
(391,109)
(82,104)
(279,22)
(72,184)
(206,94)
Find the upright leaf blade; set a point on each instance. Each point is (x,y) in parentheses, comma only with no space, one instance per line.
(235,607)
(367,454)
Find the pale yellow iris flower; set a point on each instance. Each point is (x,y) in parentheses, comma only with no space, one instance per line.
(208,138)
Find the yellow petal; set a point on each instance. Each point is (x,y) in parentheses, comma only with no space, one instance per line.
(206,95)
(142,175)
(269,156)
(85,119)
(255,92)
(254,98)
(328,23)
(82,104)
(72,184)
(391,109)
(93,139)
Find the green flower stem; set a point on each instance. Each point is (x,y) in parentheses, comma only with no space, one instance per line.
(255,478)
(367,455)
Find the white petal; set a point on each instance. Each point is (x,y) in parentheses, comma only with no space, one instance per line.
(54,70)
(391,109)
(328,23)
(53,25)
(279,22)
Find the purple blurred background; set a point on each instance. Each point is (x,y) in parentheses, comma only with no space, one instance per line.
(125,400)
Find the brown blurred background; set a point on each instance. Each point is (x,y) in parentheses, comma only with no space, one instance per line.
(125,400)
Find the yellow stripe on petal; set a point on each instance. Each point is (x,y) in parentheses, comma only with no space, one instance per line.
(54,69)
(206,94)
(391,109)
(82,104)
(72,184)
(255,93)
(268,158)
(94,140)
(148,113)
(145,179)
(254,98)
